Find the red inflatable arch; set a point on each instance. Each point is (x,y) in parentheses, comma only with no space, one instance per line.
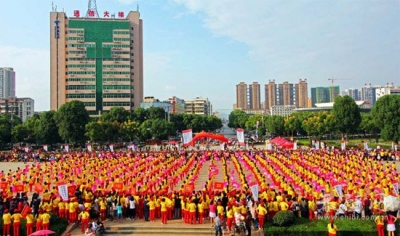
(202,135)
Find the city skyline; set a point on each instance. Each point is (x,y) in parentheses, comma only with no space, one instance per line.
(203,48)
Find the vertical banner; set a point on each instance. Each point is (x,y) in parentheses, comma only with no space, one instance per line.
(187,136)
(254,191)
(45,147)
(222,146)
(111,147)
(89,148)
(63,191)
(66,148)
(240,136)
(343,145)
(396,188)
(26,149)
(339,191)
(366,145)
(295,145)
(317,145)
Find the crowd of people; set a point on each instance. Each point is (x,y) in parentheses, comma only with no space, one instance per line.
(155,186)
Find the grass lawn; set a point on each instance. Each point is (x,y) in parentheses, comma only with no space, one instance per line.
(305,227)
(352,142)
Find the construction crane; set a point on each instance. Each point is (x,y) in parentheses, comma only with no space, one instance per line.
(332,88)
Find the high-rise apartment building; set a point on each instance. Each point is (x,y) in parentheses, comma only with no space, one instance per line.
(7,82)
(301,94)
(353,93)
(254,96)
(270,94)
(288,94)
(323,94)
(24,108)
(199,106)
(368,95)
(97,61)
(241,96)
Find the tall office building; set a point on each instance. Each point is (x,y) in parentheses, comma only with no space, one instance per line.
(323,94)
(301,94)
(7,82)
(270,94)
(241,96)
(254,96)
(97,61)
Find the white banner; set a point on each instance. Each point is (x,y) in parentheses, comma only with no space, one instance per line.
(339,191)
(89,148)
(240,136)
(317,145)
(26,149)
(111,147)
(63,191)
(66,148)
(295,146)
(343,145)
(396,188)
(366,145)
(187,136)
(254,191)
(222,146)
(45,147)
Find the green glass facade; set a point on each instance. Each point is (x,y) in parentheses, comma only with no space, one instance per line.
(101,33)
(323,94)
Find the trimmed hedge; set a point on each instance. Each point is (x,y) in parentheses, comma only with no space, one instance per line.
(305,227)
(283,218)
(57,224)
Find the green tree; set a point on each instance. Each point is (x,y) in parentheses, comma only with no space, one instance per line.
(347,113)
(276,125)
(386,113)
(7,121)
(130,129)
(155,128)
(102,131)
(47,129)
(213,123)
(369,126)
(32,126)
(19,133)
(156,113)
(178,122)
(140,115)
(237,119)
(71,118)
(118,114)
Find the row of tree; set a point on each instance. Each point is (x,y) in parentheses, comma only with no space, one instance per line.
(72,124)
(345,118)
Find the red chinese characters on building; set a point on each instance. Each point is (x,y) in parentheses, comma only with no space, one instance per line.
(91,13)
(121,14)
(106,14)
(77,13)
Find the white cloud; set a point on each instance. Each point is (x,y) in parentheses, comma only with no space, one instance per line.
(32,73)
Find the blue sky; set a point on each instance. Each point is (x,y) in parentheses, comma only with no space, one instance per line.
(205,47)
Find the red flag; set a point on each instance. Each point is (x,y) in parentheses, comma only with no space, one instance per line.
(189,188)
(218,185)
(25,211)
(71,190)
(118,186)
(38,188)
(3,185)
(19,187)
